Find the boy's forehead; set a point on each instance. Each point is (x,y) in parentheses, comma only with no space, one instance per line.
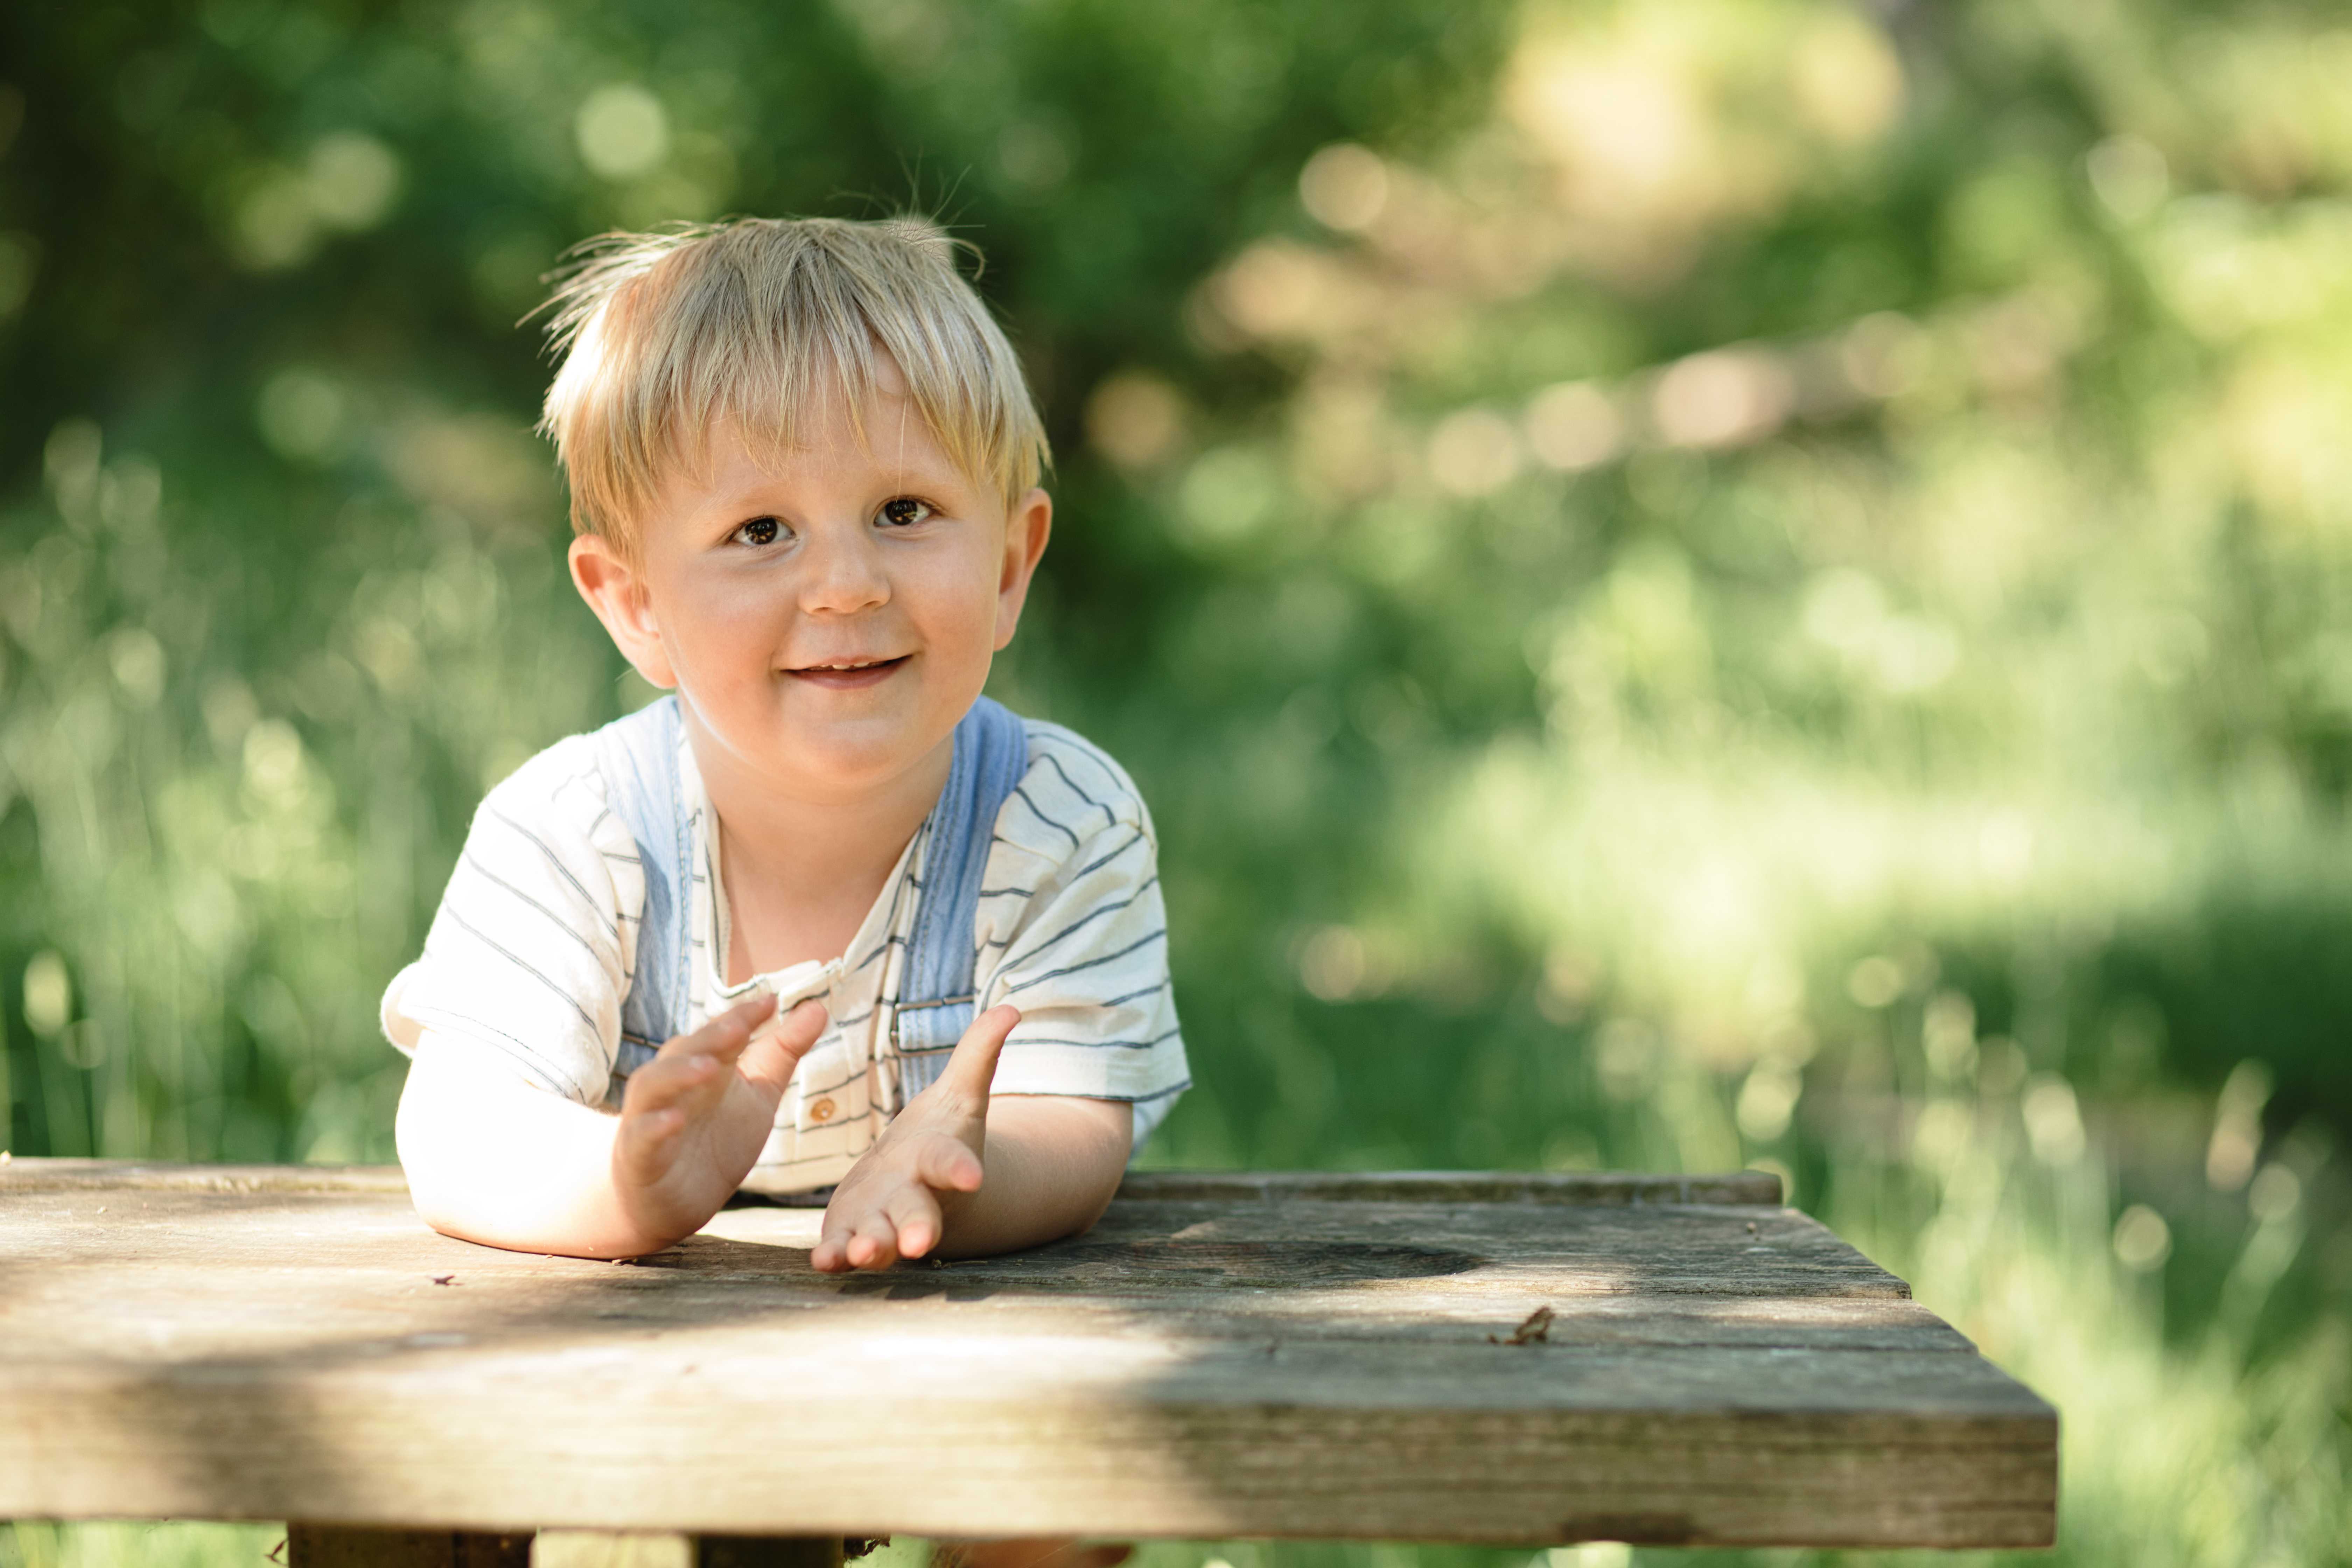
(833,424)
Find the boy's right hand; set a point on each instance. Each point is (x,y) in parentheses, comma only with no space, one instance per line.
(694,1118)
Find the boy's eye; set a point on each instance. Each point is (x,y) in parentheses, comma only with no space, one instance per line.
(906,511)
(759,531)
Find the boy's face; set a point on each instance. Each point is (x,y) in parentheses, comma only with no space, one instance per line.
(828,618)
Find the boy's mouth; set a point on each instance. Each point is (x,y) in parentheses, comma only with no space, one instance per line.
(848,674)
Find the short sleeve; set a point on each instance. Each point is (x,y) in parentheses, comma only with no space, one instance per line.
(1071,931)
(532,948)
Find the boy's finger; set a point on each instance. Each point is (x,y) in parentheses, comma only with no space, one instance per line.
(826,1256)
(874,1241)
(725,1035)
(770,1063)
(973,1068)
(831,1252)
(948,1166)
(914,1215)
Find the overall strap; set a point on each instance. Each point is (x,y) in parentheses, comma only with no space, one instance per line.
(638,757)
(937,995)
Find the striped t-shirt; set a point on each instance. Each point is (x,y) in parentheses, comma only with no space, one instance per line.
(533,947)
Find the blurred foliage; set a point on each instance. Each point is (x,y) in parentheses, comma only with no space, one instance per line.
(1706,583)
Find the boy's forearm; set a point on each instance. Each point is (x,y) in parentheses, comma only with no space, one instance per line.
(493,1160)
(1053,1164)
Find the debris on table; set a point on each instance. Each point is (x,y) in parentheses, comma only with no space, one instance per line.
(1533,1330)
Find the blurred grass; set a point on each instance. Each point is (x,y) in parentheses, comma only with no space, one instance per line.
(138,1545)
(1691,584)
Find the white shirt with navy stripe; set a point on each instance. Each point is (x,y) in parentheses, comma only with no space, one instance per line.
(532,949)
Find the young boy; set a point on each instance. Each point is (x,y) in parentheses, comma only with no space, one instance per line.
(729,940)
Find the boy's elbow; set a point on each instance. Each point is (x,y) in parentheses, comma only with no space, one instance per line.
(1118,1126)
(500,1162)
(420,1137)
(450,1151)
(438,1215)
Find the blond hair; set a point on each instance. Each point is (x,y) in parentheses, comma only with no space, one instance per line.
(754,321)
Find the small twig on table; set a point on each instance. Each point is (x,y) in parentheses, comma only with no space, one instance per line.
(1534,1328)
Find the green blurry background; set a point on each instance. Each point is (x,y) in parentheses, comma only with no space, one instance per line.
(1692,584)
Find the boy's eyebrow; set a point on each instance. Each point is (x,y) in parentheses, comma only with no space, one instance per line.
(723,503)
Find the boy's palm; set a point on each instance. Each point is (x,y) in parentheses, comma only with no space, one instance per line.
(890,1205)
(694,1118)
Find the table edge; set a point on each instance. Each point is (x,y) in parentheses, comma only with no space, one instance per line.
(1600,1188)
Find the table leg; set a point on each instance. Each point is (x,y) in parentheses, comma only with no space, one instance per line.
(340,1546)
(767,1552)
(664,1549)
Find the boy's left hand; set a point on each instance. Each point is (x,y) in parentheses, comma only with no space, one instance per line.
(894,1202)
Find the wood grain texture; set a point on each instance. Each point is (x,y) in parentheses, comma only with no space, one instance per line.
(1221,1357)
(1453,1187)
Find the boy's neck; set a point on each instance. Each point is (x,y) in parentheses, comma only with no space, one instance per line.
(801,868)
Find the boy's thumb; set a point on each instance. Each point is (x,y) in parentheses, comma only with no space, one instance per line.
(769,1061)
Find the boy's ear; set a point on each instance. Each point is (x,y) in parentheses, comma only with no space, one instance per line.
(616,592)
(1025,532)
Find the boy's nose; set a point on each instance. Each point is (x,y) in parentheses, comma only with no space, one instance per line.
(843,575)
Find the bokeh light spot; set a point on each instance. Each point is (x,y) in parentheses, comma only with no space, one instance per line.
(351,180)
(1574,425)
(2142,1239)
(1473,453)
(622,130)
(303,415)
(1874,981)
(2130,177)
(1344,187)
(1725,397)
(1135,419)
(1846,78)
(47,994)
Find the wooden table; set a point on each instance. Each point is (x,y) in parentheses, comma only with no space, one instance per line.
(1454,1357)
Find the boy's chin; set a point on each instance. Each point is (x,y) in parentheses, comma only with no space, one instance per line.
(852,754)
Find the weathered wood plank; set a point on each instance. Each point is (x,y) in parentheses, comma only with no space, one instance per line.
(23,1175)
(1450,1187)
(1173,1445)
(1283,1364)
(1156,1246)
(171,1263)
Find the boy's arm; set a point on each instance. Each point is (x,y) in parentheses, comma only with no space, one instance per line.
(493,1159)
(1054,1161)
(1051,1164)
